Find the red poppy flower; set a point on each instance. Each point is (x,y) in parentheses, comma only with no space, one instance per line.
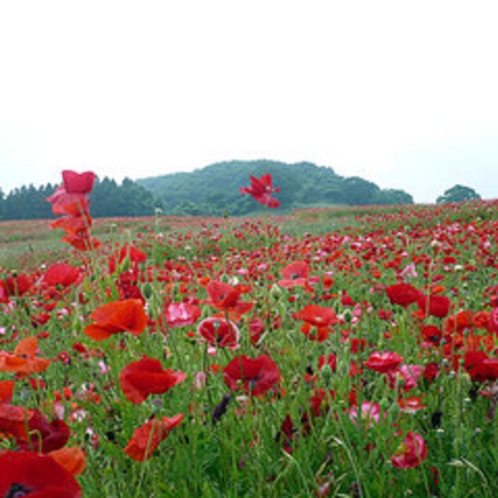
(73,224)
(412,404)
(6,391)
(45,436)
(405,377)
(411,452)
(384,362)
(480,366)
(318,321)
(65,203)
(402,294)
(254,376)
(146,438)
(295,274)
(368,412)
(31,474)
(71,458)
(218,332)
(14,287)
(226,298)
(261,189)
(115,317)
(61,274)
(31,429)
(82,241)
(181,314)
(78,183)
(434,305)
(23,360)
(140,379)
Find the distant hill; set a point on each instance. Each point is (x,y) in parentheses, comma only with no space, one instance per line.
(214,189)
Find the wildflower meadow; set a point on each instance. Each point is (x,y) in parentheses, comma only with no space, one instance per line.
(327,353)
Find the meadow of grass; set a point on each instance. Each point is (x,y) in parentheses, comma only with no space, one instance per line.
(372,335)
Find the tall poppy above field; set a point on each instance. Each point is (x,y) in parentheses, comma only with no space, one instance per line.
(71,199)
(261,190)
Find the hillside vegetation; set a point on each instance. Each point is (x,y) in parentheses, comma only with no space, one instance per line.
(214,190)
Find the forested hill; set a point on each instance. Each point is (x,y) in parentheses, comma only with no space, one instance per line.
(214,189)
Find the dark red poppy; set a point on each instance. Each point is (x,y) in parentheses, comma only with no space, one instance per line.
(294,274)
(146,438)
(226,298)
(261,190)
(45,436)
(255,376)
(61,274)
(411,452)
(31,474)
(480,366)
(139,379)
(181,314)
(384,362)
(78,183)
(402,294)
(32,430)
(115,317)
(434,305)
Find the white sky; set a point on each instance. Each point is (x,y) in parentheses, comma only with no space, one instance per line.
(404,94)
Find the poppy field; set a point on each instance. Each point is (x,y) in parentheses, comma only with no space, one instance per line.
(324,353)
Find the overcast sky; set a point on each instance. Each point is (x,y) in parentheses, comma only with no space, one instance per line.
(401,93)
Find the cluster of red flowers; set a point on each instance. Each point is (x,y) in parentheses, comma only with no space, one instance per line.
(71,200)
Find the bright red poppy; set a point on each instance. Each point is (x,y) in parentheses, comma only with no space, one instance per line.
(146,438)
(261,190)
(127,315)
(139,379)
(402,294)
(30,474)
(434,305)
(411,452)
(318,321)
(294,274)
(384,362)
(78,183)
(226,298)
(23,359)
(14,287)
(6,391)
(255,376)
(61,274)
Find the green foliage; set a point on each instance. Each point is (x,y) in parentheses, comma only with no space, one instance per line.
(108,199)
(458,193)
(214,190)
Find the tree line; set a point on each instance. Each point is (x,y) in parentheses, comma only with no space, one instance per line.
(108,199)
(214,190)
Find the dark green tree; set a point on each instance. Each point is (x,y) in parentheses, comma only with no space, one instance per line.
(458,193)
(392,196)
